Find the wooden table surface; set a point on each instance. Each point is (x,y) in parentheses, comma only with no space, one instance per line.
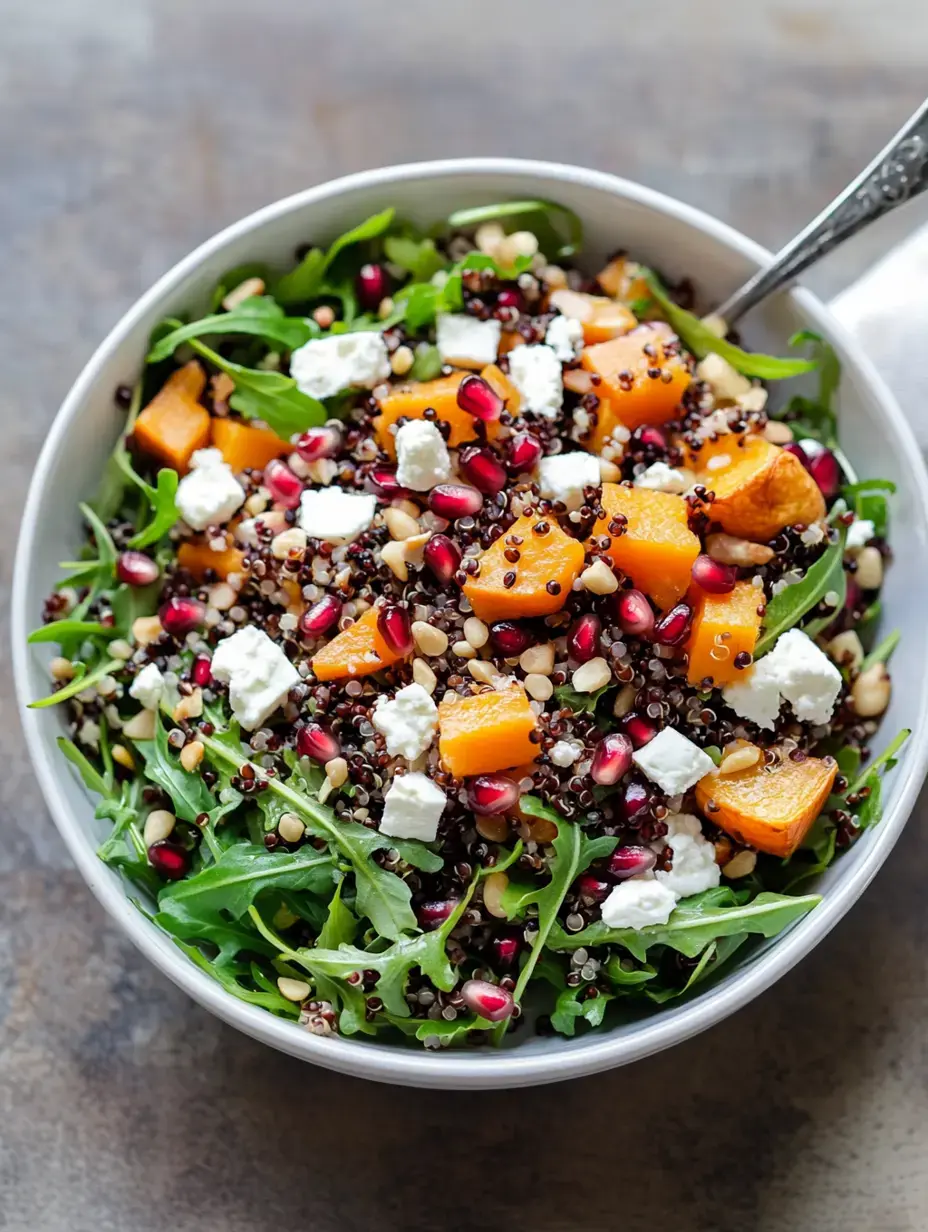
(129,131)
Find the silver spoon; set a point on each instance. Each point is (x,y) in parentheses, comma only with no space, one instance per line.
(898,173)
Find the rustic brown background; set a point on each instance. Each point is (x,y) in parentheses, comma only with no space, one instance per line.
(129,131)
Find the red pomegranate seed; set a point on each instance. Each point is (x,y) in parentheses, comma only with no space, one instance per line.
(443,557)
(384,482)
(509,639)
(853,599)
(181,615)
(651,438)
(430,915)
(455,500)
(510,298)
(317,743)
(285,487)
(593,889)
(483,469)
(826,472)
(480,399)
(714,577)
(673,627)
(323,442)
(635,802)
(634,613)
(583,638)
(489,794)
(168,860)
(631,862)
(395,627)
(524,452)
(201,672)
(798,452)
(487,1000)
(612,759)
(639,729)
(372,284)
(321,617)
(506,948)
(136,569)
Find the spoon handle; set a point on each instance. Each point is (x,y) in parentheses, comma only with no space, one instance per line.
(898,173)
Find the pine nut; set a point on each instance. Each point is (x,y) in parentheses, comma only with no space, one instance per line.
(730,550)
(406,506)
(538,660)
(385,307)
(120,649)
(592,675)
(393,555)
(742,759)
(423,674)
(191,755)
(464,650)
(290,828)
(599,579)
(244,290)
(476,632)
(778,433)
(399,523)
(61,668)
(146,629)
(538,687)
(257,502)
(488,237)
(740,865)
(402,360)
(483,671)
(608,471)
(715,324)
(122,755)
(222,596)
(430,640)
(336,771)
(324,317)
(624,701)
(158,825)
(189,707)
(493,887)
(846,650)
(554,276)
(293,990)
(141,726)
(871,691)
(494,829)
(290,540)
(524,243)
(869,573)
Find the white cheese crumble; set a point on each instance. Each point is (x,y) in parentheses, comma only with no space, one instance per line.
(334,515)
(756,695)
(724,380)
(660,477)
(412,808)
(210,493)
(465,341)
(148,686)
(324,367)
(671,761)
(565,752)
(258,673)
(859,534)
(408,721)
(806,677)
(536,373)
(693,865)
(564,476)
(565,338)
(638,902)
(422,456)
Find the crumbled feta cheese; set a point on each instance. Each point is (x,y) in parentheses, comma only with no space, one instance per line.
(638,902)
(413,807)
(724,380)
(334,515)
(813,534)
(565,338)
(536,373)
(756,695)
(324,367)
(258,673)
(806,677)
(210,493)
(422,456)
(408,720)
(671,761)
(662,478)
(148,686)
(565,752)
(465,341)
(693,866)
(564,476)
(714,424)
(859,534)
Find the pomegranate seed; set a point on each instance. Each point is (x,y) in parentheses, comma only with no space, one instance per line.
(509,639)
(455,500)
(673,627)
(321,617)
(285,487)
(826,472)
(853,599)
(430,915)
(593,889)
(372,284)
(631,862)
(798,452)
(395,627)
(483,469)
(443,557)
(136,569)
(490,794)
(510,298)
(524,452)
(168,860)
(713,577)
(635,802)
(487,1000)
(651,438)
(634,613)
(180,616)
(317,743)
(384,482)
(323,442)
(612,759)
(201,671)
(583,638)
(480,399)
(506,948)
(638,729)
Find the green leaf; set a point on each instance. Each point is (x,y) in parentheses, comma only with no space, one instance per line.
(340,927)
(106,549)
(91,777)
(886,760)
(579,703)
(231,977)
(826,360)
(109,496)
(260,316)
(427,365)
(83,680)
(60,630)
(882,652)
(419,257)
(868,502)
(569,1007)
(788,607)
(619,971)
(164,509)
(559,220)
(699,339)
(305,281)
(808,419)
(189,794)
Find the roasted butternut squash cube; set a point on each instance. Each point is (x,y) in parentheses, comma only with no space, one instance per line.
(759,488)
(358,650)
(174,425)
(601,318)
(768,807)
(549,563)
(500,382)
(414,399)
(724,626)
(485,732)
(643,375)
(243,446)
(622,279)
(198,557)
(657,548)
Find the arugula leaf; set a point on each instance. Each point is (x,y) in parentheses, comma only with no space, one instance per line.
(163,506)
(569,1007)
(260,316)
(340,927)
(427,365)
(557,218)
(61,630)
(882,652)
(306,281)
(231,977)
(189,794)
(826,360)
(619,971)
(109,496)
(579,703)
(788,607)
(82,680)
(419,257)
(868,502)
(808,419)
(90,776)
(124,848)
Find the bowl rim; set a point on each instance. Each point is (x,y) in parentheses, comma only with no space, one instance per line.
(510,1068)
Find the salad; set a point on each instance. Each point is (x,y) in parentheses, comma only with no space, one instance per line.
(462,647)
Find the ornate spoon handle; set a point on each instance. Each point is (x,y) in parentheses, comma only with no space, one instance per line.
(898,173)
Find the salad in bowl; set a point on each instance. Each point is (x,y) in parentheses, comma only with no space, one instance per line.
(463,647)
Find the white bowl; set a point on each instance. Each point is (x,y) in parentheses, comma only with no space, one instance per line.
(616,213)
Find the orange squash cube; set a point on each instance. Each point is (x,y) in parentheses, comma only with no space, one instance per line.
(197,557)
(485,732)
(724,626)
(547,557)
(500,382)
(622,279)
(601,318)
(358,650)
(174,425)
(243,446)
(414,399)
(768,807)
(657,549)
(759,487)
(628,394)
